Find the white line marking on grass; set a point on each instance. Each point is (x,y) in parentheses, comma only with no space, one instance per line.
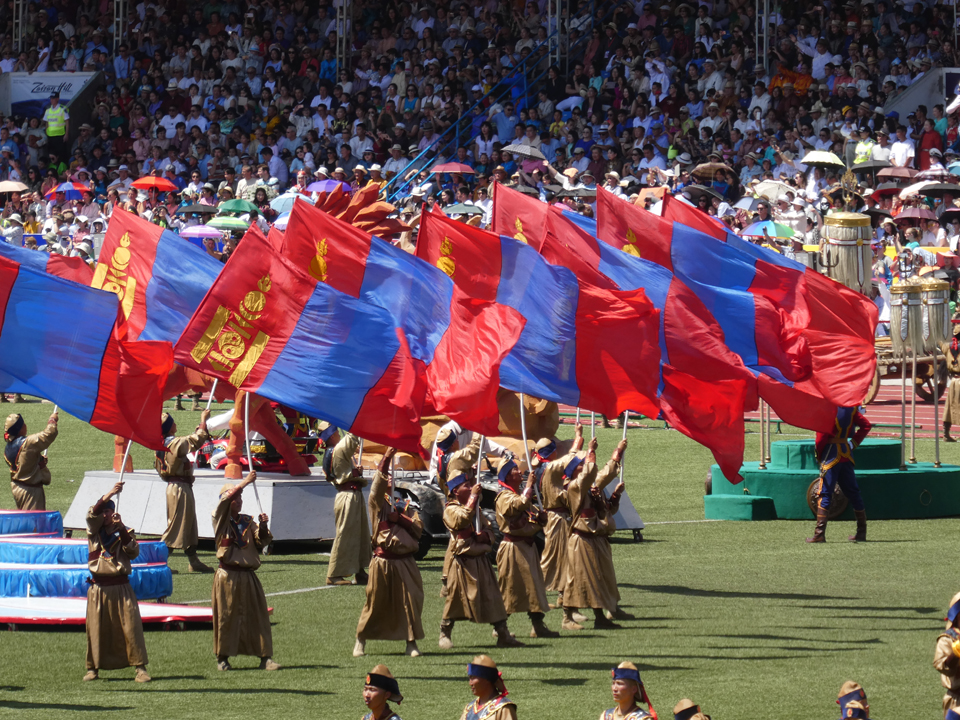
(273,594)
(680,522)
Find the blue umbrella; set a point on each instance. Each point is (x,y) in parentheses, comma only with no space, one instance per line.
(774,230)
(954,168)
(284,203)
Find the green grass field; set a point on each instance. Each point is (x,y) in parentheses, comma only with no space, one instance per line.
(744,618)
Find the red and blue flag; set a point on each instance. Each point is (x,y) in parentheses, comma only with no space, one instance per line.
(59,340)
(582,345)
(159,277)
(68,268)
(796,329)
(269,327)
(459,341)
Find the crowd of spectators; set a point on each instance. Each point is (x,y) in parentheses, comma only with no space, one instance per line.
(245,98)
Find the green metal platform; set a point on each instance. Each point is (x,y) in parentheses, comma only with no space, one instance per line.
(780,491)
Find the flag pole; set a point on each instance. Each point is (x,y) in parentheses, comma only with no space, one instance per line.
(626,418)
(476,517)
(593,425)
(246,432)
(123,467)
(213,389)
(526,448)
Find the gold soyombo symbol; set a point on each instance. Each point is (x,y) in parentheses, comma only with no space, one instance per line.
(446,262)
(111,275)
(630,247)
(226,344)
(519,234)
(318,265)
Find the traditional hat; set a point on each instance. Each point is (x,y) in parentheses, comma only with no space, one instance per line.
(327,430)
(685,710)
(544,449)
(380,677)
(166,423)
(855,709)
(11,428)
(458,470)
(628,671)
(446,438)
(225,489)
(850,692)
(505,466)
(483,667)
(952,613)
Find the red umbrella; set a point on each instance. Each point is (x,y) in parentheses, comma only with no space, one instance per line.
(897,172)
(916,213)
(454,167)
(161,184)
(886,189)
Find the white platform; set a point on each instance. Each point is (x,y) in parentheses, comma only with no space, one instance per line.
(73,611)
(299,508)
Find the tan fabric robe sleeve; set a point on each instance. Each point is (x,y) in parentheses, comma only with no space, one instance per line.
(947,663)
(342,464)
(114,560)
(551,483)
(177,464)
(513,514)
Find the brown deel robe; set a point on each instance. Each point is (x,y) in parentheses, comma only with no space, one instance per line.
(394,603)
(518,564)
(472,591)
(30,472)
(177,471)
(241,622)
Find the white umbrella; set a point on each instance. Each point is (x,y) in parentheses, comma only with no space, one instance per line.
(772,190)
(281,222)
(914,190)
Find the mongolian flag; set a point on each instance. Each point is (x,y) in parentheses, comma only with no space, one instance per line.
(582,345)
(703,388)
(59,340)
(159,277)
(269,327)
(68,268)
(795,328)
(458,340)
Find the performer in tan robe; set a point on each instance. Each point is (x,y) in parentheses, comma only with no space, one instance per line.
(241,622)
(591,580)
(351,553)
(176,470)
(454,461)
(951,352)
(946,657)
(553,487)
(114,628)
(472,592)
(28,466)
(518,564)
(394,602)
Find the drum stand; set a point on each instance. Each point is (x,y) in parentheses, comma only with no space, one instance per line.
(903,411)
(936,411)
(763,444)
(913,410)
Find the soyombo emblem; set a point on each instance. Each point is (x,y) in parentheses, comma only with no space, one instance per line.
(231,343)
(318,265)
(630,247)
(519,235)
(446,262)
(111,275)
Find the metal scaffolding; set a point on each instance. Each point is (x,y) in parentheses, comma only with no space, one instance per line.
(763,33)
(555,22)
(120,10)
(344,33)
(19,10)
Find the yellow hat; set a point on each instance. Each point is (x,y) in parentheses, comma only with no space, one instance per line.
(504,466)
(482,666)
(226,488)
(851,693)
(543,450)
(460,465)
(326,430)
(446,438)
(685,710)
(381,677)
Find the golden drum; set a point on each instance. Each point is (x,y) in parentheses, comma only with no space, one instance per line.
(906,318)
(935,296)
(848,255)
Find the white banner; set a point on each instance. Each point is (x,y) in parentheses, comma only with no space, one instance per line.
(29,94)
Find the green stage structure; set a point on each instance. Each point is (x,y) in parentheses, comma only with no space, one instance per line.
(780,492)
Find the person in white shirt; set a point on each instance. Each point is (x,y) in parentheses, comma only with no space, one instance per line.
(711,78)
(170,120)
(903,149)
(760,99)
(713,119)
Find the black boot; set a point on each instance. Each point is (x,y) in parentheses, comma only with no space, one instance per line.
(946,432)
(861,535)
(820,534)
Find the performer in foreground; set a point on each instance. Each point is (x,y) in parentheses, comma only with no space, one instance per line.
(114,629)
(350,554)
(591,580)
(946,658)
(853,701)
(176,470)
(628,693)
(28,466)
(486,683)
(394,602)
(835,453)
(379,689)
(518,565)
(241,622)
(471,589)
(553,486)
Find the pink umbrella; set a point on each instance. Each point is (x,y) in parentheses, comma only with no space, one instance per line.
(915,213)
(897,172)
(201,231)
(454,167)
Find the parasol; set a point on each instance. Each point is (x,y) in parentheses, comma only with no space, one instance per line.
(228,222)
(885,189)
(201,231)
(196,209)
(328,186)
(747,203)
(772,229)
(915,213)
(526,151)
(823,159)
(695,191)
(12,186)
(773,189)
(893,173)
(940,174)
(71,191)
(463,209)
(710,169)
(454,167)
(237,206)
(161,184)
